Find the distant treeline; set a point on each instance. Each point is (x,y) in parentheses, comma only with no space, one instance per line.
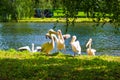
(20,9)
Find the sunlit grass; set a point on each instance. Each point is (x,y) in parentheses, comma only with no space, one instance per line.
(15,65)
(59,20)
(59,16)
(58,13)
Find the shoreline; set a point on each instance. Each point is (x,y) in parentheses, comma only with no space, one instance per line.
(62,20)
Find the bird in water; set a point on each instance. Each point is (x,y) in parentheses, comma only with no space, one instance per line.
(76,48)
(89,50)
(27,48)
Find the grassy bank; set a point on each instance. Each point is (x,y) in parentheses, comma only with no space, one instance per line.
(57,19)
(59,16)
(27,66)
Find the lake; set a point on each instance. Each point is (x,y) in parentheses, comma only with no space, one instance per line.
(106,39)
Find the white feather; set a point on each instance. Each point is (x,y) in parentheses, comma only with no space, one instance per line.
(75,46)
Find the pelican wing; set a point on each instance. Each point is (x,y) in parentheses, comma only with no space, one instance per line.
(38,48)
(93,50)
(44,46)
(66,36)
(24,48)
(47,47)
(48,36)
(78,48)
(60,44)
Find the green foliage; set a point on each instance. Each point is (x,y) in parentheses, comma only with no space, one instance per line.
(5,10)
(16,9)
(23,9)
(100,9)
(27,66)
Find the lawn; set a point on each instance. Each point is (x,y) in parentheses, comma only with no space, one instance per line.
(58,20)
(60,13)
(16,65)
(59,16)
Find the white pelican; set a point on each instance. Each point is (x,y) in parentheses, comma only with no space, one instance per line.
(76,48)
(51,31)
(60,41)
(48,46)
(38,48)
(89,50)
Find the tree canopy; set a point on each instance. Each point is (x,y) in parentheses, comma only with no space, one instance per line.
(99,9)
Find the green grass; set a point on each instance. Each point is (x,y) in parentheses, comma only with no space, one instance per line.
(59,17)
(58,20)
(16,65)
(60,13)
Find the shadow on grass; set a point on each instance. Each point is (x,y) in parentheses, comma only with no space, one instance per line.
(60,54)
(51,68)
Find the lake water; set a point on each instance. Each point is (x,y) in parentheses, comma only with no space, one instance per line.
(106,39)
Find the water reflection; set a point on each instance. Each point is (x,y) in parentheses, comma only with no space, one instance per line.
(105,39)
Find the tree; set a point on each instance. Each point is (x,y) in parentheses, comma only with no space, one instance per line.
(5,10)
(95,9)
(22,9)
(16,9)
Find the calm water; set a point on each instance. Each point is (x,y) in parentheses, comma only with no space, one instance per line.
(106,39)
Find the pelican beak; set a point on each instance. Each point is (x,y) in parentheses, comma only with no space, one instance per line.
(51,31)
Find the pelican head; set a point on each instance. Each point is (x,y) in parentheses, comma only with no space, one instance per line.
(73,39)
(59,31)
(47,36)
(60,36)
(51,31)
(89,42)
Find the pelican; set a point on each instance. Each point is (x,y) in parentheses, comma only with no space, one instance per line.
(89,50)
(51,31)
(48,46)
(76,48)
(60,41)
(27,48)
